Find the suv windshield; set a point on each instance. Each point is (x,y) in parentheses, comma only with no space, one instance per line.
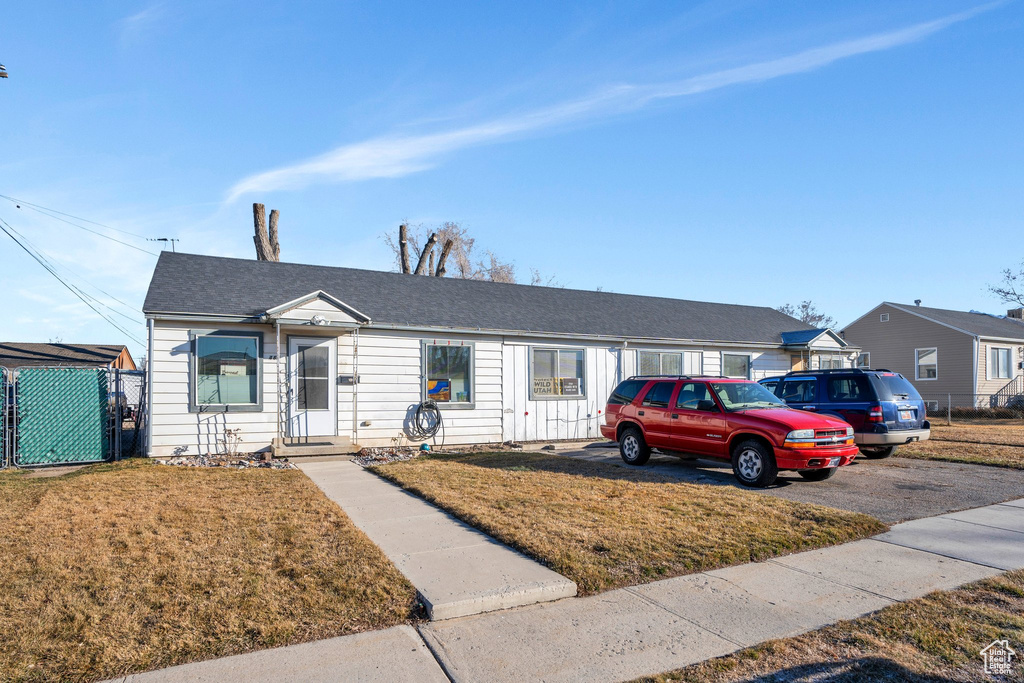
(743,395)
(894,388)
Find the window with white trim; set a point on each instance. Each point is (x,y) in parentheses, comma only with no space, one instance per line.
(736,365)
(883,317)
(1000,362)
(659,363)
(864,359)
(449,372)
(830,361)
(556,373)
(226,371)
(926,364)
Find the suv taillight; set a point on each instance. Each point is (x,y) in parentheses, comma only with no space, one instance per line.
(875,414)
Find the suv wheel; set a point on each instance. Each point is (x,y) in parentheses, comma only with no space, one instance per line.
(818,475)
(878,453)
(632,447)
(753,463)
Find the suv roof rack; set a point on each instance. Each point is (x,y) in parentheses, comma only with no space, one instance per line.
(659,377)
(835,370)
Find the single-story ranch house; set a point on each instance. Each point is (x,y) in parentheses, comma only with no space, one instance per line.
(289,353)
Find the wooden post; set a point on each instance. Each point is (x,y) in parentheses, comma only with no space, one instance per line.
(403,247)
(427,248)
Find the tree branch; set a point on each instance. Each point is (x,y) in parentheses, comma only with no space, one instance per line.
(441,270)
(274,245)
(403,247)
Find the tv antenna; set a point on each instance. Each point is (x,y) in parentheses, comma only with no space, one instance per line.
(172,240)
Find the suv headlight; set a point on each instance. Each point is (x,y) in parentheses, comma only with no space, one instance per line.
(849,431)
(801,434)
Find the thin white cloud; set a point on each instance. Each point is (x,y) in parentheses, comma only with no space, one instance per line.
(133,28)
(398,155)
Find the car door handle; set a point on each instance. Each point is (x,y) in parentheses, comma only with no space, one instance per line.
(640,412)
(809,408)
(674,416)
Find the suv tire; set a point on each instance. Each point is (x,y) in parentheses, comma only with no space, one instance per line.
(753,464)
(878,453)
(633,448)
(818,475)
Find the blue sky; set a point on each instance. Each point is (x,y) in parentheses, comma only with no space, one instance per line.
(746,152)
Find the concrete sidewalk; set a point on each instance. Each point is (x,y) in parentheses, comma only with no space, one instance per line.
(657,627)
(456,569)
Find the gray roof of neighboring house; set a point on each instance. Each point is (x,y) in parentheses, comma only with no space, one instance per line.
(194,285)
(980,324)
(21,354)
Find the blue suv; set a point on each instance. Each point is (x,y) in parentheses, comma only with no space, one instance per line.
(884,409)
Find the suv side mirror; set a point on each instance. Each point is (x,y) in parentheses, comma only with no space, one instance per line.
(707,405)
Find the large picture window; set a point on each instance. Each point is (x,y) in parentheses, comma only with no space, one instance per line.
(926,363)
(556,373)
(227,371)
(449,372)
(660,363)
(736,365)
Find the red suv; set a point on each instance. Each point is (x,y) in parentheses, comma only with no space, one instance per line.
(731,419)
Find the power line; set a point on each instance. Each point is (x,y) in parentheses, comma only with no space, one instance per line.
(95,232)
(17,201)
(6,227)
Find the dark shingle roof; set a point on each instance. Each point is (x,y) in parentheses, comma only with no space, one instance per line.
(193,284)
(981,324)
(801,336)
(18,354)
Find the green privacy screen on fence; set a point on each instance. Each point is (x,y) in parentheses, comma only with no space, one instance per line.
(63,416)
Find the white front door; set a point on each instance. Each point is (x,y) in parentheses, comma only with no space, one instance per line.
(312,393)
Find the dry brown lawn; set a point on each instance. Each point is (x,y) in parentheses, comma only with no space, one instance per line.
(960,451)
(1004,434)
(135,566)
(934,638)
(606,527)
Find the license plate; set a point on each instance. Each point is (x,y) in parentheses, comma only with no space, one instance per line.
(907,415)
(833,462)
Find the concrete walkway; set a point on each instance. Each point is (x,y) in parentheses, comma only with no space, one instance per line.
(657,627)
(456,569)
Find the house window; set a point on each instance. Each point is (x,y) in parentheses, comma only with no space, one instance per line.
(556,372)
(658,363)
(449,372)
(736,365)
(926,362)
(884,318)
(1000,363)
(226,371)
(830,361)
(864,360)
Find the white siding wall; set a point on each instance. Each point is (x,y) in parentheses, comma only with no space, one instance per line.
(178,431)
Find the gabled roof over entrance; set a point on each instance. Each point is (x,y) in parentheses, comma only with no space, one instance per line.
(319,308)
(197,286)
(807,338)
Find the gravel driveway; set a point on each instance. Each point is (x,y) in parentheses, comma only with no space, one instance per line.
(892,490)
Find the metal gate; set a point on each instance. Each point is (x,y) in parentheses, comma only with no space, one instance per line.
(62,416)
(128,404)
(5,408)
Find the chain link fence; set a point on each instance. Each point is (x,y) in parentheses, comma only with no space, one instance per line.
(950,408)
(71,415)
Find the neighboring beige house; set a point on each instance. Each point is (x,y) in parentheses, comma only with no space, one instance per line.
(942,351)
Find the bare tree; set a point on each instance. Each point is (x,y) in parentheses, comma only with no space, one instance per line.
(450,245)
(267,247)
(808,313)
(1011,289)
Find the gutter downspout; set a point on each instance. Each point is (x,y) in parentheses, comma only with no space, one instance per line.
(355,388)
(280,393)
(977,344)
(149,392)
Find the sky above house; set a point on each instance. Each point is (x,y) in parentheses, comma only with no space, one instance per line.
(747,152)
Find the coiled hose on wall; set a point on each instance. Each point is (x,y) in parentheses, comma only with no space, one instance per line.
(427,422)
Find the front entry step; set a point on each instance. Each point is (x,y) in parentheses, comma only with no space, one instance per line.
(290,447)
